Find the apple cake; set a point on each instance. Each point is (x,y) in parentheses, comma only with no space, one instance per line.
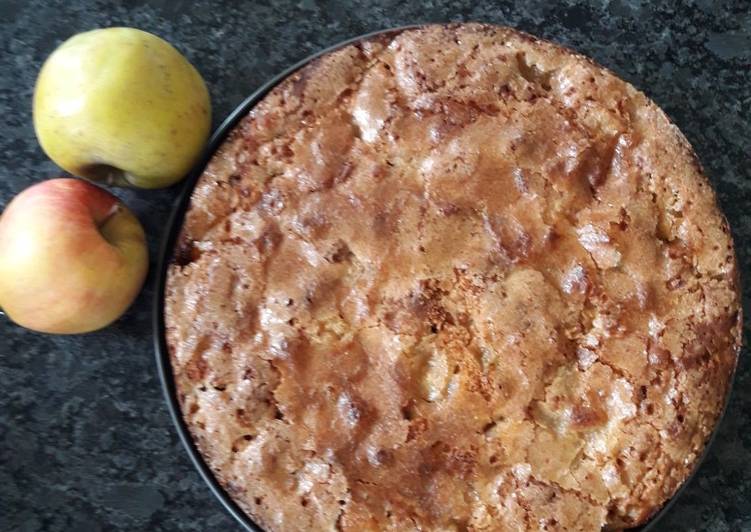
(452,278)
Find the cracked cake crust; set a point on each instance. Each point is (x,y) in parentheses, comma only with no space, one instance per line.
(453,278)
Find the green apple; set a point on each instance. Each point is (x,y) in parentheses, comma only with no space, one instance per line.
(122,106)
(72,257)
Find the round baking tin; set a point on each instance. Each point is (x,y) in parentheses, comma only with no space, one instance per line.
(166,252)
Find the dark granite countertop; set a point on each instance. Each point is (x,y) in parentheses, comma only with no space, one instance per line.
(86,442)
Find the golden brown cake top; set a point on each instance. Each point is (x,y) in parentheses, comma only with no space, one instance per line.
(453,278)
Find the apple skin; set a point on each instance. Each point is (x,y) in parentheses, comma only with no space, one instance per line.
(122,106)
(72,257)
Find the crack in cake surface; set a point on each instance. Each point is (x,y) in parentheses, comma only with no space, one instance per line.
(439,264)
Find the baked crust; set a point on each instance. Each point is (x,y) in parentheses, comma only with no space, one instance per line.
(453,278)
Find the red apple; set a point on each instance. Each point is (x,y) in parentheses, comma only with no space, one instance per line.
(72,257)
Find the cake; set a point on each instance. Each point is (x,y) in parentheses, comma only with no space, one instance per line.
(452,278)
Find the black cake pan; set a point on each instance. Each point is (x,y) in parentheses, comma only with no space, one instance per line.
(174,225)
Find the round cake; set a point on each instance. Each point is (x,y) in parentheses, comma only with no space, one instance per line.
(452,278)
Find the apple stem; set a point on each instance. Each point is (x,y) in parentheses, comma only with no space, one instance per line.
(118,179)
(105,173)
(116,207)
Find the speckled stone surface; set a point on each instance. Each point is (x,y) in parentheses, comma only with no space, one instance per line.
(86,442)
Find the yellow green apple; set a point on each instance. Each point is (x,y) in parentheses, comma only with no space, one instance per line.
(122,106)
(72,257)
